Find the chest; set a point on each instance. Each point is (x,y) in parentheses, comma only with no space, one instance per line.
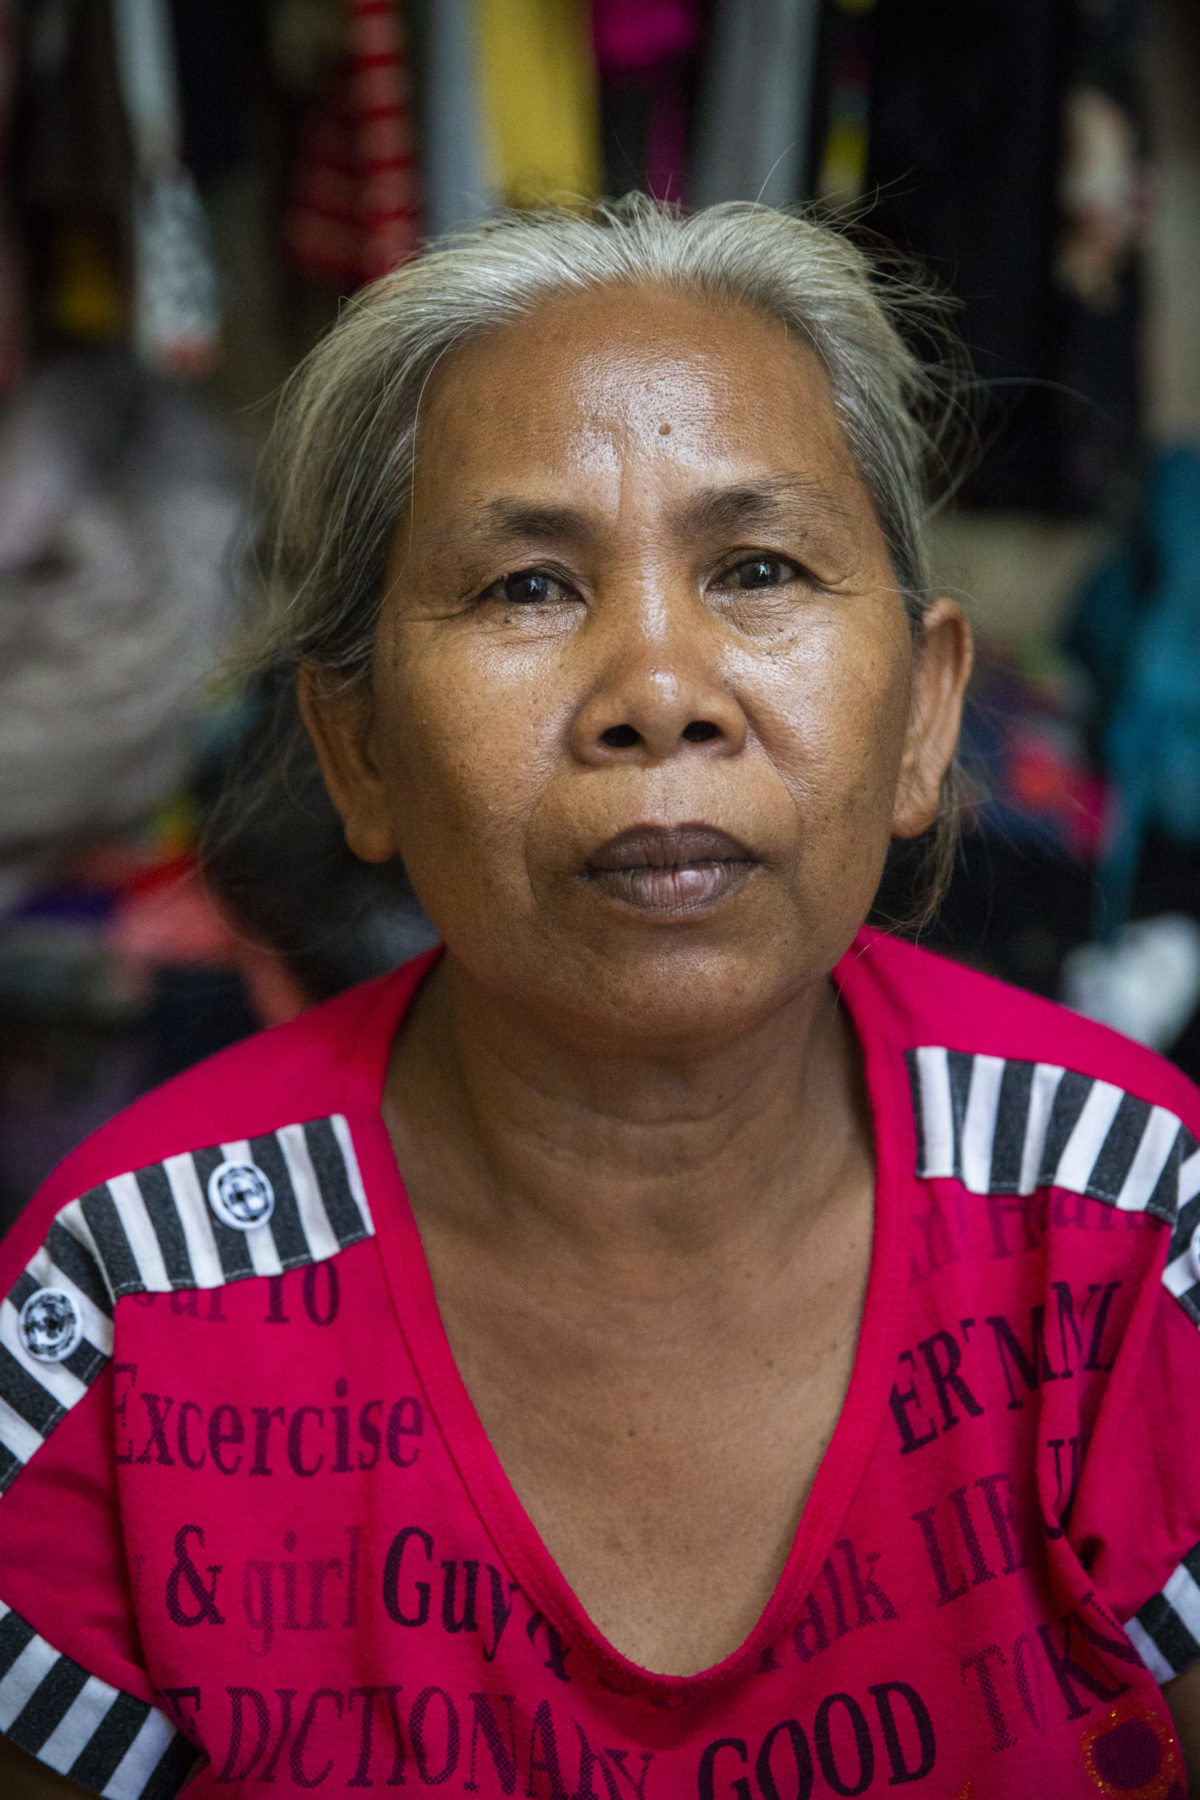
(663,1451)
(328,1599)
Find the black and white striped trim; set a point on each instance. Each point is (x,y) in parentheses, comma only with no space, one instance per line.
(1166,1631)
(154,1231)
(1006,1127)
(107,1741)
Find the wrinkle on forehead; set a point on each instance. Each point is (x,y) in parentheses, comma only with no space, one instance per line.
(562,412)
(770,503)
(638,356)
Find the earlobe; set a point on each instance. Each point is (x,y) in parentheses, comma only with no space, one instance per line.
(944,658)
(338,720)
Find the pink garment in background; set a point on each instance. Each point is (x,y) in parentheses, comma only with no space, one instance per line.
(651,47)
(633,34)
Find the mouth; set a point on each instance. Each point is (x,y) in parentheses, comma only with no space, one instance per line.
(670,871)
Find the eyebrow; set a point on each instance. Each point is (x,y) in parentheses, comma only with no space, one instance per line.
(781,499)
(791,500)
(528,521)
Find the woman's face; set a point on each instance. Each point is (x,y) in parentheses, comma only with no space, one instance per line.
(645,706)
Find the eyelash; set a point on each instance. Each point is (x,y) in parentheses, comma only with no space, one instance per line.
(798,571)
(540,572)
(535,571)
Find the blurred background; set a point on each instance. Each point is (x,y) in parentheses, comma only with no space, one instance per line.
(188,188)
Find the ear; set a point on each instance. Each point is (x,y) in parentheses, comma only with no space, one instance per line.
(941,670)
(338,719)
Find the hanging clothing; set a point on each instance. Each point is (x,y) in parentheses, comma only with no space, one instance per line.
(645,58)
(840,164)
(538,88)
(75,155)
(1136,632)
(755,103)
(218,55)
(119,498)
(12,297)
(1097,271)
(74,173)
(973,108)
(354,213)
(454,165)
(176,308)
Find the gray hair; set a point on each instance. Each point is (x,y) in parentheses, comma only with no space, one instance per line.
(346,437)
(345,440)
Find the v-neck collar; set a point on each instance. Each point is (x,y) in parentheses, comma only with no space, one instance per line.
(500,1509)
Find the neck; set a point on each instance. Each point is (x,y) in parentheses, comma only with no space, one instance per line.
(509,1130)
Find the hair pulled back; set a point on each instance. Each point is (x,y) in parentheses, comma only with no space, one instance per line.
(345,441)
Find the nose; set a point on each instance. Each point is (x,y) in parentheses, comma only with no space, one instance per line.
(658,690)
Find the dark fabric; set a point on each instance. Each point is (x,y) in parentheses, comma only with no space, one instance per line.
(645,60)
(966,155)
(74,151)
(840,105)
(220,61)
(643,129)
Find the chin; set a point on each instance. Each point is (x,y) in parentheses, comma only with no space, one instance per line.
(680,995)
(609,980)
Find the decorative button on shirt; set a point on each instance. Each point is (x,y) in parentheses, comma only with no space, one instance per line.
(50,1325)
(240,1195)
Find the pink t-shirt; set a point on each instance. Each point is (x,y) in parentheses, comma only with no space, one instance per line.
(252,1524)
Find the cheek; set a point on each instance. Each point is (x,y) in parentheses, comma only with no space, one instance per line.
(463,748)
(837,706)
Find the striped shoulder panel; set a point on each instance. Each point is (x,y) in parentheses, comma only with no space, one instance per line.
(1166,1631)
(258,1206)
(1006,1127)
(107,1741)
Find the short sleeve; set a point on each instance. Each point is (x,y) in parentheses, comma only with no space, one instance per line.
(73,1687)
(1136,1517)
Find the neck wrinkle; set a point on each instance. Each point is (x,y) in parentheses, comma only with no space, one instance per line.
(506,1135)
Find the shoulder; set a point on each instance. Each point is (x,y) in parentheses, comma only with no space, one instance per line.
(244,1166)
(1012,1094)
(923,999)
(327,1062)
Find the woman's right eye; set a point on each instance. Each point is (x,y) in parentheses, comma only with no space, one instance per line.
(527,587)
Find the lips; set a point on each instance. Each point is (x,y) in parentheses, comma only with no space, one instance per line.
(670,870)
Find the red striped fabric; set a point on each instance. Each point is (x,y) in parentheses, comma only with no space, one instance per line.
(355,211)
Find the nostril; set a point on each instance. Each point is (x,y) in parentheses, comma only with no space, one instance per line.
(619,737)
(699,731)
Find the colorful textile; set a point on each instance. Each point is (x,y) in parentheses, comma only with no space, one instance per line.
(251,1514)
(176,303)
(635,34)
(354,212)
(538,90)
(645,57)
(1136,630)
(1024,747)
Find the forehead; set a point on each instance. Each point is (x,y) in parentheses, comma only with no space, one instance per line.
(596,384)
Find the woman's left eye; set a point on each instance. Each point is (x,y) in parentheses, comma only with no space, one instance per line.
(760,572)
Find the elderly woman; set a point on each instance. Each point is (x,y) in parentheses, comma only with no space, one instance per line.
(672,1340)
